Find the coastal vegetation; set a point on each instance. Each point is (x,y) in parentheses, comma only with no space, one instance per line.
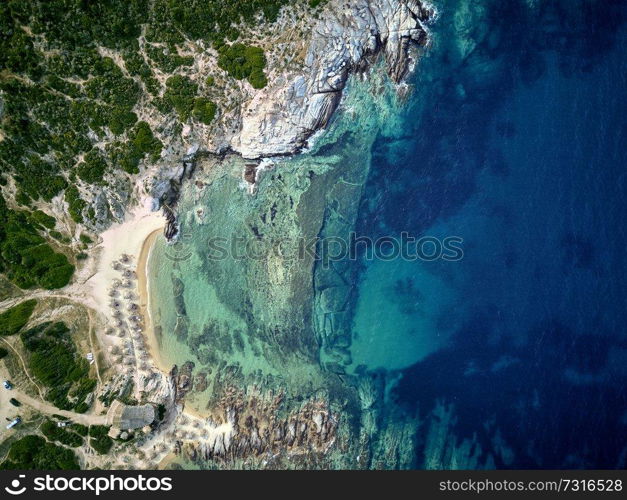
(60,434)
(179,95)
(54,361)
(75,203)
(74,78)
(204,110)
(141,141)
(80,429)
(25,256)
(35,453)
(243,61)
(14,319)
(99,439)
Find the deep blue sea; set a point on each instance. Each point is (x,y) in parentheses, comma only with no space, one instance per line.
(517,146)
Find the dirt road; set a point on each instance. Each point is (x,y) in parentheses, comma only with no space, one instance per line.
(43,407)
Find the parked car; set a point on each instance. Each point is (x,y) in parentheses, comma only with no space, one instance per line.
(14,422)
(63,424)
(7,385)
(15,402)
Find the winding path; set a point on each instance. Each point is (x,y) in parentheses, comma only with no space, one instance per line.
(41,395)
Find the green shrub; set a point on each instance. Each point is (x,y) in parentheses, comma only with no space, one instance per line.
(60,434)
(21,198)
(42,218)
(54,361)
(34,453)
(3,352)
(141,142)
(243,61)
(161,410)
(61,238)
(14,319)
(85,239)
(81,407)
(93,168)
(111,86)
(80,429)
(168,62)
(204,110)
(100,441)
(75,203)
(144,142)
(179,94)
(25,257)
(121,119)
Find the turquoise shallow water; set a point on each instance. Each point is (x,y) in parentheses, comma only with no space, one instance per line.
(514,356)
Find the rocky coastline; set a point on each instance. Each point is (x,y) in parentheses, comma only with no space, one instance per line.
(249,421)
(280,119)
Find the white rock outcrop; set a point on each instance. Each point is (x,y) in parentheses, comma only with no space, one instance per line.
(280,118)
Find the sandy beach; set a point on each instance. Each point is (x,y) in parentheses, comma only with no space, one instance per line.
(125,238)
(143,286)
(133,239)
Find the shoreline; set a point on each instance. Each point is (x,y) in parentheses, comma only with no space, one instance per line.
(127,238)
(143,287)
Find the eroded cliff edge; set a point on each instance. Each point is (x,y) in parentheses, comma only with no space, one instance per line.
(280,118)
(308,67)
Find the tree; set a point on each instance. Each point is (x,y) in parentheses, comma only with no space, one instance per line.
(14,319)
(204,110)
(34,453)
(179,94)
